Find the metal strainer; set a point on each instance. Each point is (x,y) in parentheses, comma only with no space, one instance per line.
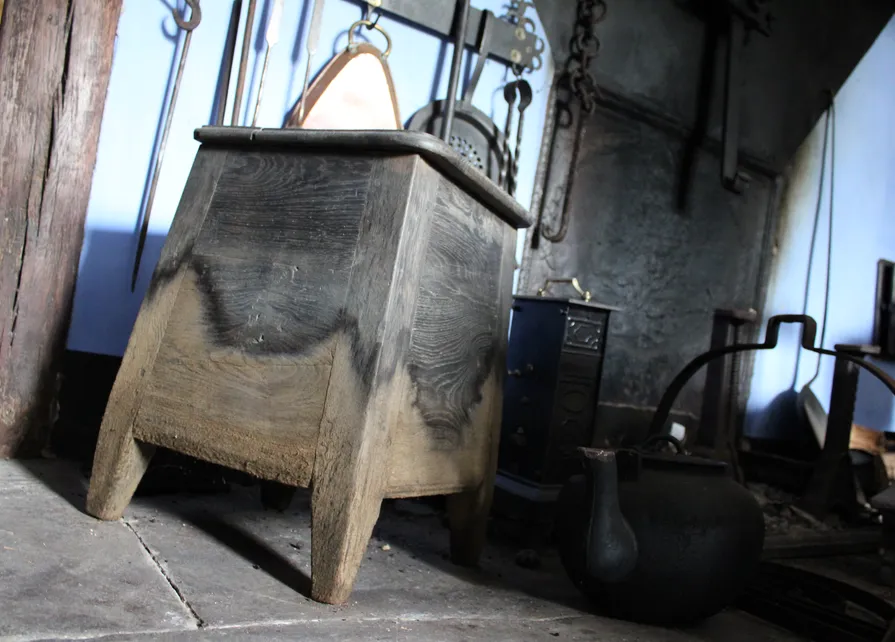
(473,134)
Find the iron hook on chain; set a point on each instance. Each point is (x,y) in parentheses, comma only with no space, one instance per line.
(584,46)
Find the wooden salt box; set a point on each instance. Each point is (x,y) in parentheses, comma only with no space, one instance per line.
(330,310)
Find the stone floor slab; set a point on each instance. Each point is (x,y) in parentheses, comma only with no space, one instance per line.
(64,573)
(730,627)
(219,567)
(236,563)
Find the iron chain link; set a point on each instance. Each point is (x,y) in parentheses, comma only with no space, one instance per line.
(583,48)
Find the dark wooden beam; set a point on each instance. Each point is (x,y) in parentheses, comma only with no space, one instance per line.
(55,60)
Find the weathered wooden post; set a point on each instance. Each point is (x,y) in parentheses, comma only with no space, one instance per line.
(55,60)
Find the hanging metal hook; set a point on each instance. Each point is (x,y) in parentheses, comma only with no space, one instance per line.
(372,5)
(370,25)
(195,16)
(188,26)
(375,22)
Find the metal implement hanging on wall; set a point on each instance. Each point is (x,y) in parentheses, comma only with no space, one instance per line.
(509,95)
(473,134)
(243,62)
(733,19)
(743,16)
(577,81)
(456,60)
(354,90)
(311,49)
(271,38)
(188,26)
(511,161)
(227,63)
(509,45)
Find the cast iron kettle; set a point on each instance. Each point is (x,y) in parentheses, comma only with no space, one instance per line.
(667,538)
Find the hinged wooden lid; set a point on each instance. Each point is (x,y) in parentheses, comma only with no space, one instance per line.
(433,149)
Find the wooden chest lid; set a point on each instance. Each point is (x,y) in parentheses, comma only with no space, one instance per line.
(433,149)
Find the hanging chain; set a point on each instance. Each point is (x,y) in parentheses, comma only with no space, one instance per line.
(583,48)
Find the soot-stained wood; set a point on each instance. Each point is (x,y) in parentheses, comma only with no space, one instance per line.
(455,326)
(363,400)
(121,460)
(274,259)
(288,205)
(279,337)
(255,412)
(468,510)
(201,186)
(55,59)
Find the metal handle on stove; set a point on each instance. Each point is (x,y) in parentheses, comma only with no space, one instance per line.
(573,281)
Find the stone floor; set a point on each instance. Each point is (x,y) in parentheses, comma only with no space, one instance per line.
(220,567)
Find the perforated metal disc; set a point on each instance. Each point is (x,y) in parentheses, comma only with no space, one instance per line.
(474,136)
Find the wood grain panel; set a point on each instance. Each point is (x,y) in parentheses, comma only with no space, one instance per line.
(369,375)
(444,427)
(266,308)
(456,318)
(254,412)
(279,206)
(418,469)
(468,511)
(274,260)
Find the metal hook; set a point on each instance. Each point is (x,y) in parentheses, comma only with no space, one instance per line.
(195,16)
(370,25)
(372,5)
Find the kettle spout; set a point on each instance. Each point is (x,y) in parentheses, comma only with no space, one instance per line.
(611,547)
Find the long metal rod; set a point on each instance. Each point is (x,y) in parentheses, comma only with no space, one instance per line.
(271,37)
(243,62)
(188,26)
(311,48)
(730,174)
(261,86)
(229,52)
(462,17)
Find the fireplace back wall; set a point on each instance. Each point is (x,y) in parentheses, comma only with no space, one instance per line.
(631,240)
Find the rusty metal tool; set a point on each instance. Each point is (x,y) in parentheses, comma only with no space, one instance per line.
(243,62)
(271,37)
(188,26)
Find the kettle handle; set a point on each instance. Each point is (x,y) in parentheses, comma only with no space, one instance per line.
(809,331)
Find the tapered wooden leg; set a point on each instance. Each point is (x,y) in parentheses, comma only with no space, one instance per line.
(468,517)
(342,520)
(468,511)
(368,379)
(120,461)
(118,466)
